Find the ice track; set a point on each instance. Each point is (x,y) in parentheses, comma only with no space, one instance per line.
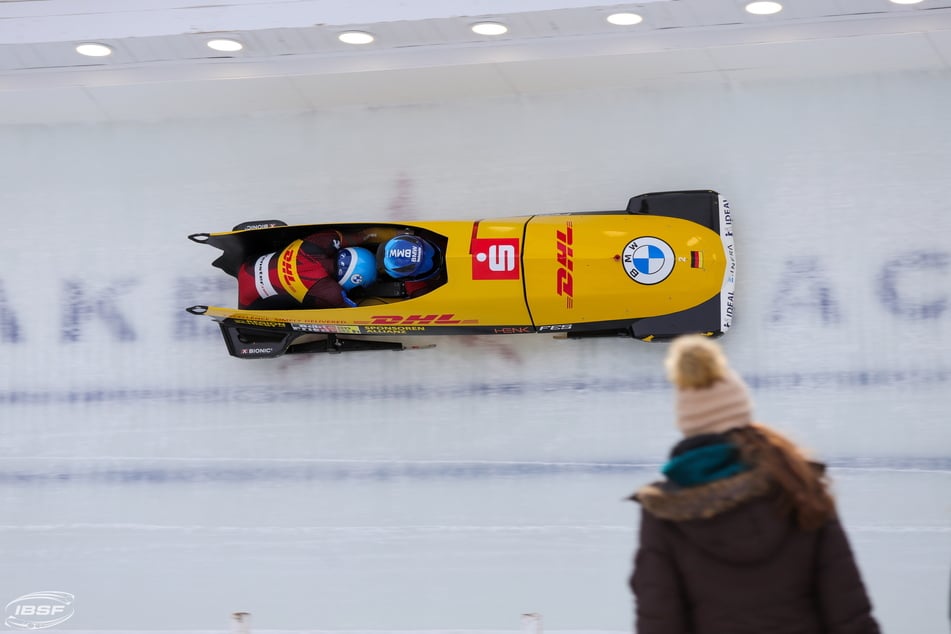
(167,486)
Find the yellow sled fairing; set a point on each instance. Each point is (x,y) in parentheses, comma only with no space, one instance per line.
(578,268)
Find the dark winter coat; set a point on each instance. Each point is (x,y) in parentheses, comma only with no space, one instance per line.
(719,557)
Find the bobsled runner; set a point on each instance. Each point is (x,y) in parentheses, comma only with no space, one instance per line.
(662,267)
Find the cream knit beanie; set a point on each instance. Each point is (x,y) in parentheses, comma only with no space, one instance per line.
(711,397)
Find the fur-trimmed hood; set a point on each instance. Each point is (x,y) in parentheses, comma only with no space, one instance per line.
(668,501)
(734,519)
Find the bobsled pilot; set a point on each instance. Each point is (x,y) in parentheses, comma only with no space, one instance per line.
(317,271)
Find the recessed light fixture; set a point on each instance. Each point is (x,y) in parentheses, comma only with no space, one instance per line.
(906,1)
(489,28)
(225,45)
(355,37)
(764,8)
(90,49)
(624,19)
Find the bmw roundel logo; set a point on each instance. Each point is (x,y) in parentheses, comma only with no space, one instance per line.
(648,260)
(357,279)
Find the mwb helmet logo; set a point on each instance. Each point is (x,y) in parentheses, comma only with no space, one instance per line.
(39,610)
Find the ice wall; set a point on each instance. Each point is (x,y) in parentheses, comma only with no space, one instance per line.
(167,485)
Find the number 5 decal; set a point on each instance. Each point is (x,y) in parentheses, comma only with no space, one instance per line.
(502,257)
(495,258)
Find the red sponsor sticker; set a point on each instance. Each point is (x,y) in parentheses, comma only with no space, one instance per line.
(495,258)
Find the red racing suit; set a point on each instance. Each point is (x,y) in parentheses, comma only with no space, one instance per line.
(303,275)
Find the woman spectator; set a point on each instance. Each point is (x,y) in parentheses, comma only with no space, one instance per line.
(742,535)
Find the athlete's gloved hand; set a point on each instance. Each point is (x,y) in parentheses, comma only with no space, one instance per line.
(346,300)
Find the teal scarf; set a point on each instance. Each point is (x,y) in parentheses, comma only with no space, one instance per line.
(704,464)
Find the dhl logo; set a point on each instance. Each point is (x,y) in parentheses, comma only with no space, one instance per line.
(287,271)
(401,320)
(566,265)
(287,267)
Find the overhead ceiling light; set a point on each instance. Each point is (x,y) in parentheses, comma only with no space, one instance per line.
(906,1)
(90,49)
(225,45)
(764,8)
(624,19)
(489,28)
(355,37)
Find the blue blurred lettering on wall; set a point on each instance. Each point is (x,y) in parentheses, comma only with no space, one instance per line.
(912,286)
(915,270)
(9,325)
(805,292)
(82,305)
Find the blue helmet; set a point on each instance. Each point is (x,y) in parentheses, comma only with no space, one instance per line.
(408,256)
(356,266)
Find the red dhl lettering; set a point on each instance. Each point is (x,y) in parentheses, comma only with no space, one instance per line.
(287,273)
(565,281)
(393,320)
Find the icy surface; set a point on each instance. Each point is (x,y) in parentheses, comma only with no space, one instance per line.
(167,485)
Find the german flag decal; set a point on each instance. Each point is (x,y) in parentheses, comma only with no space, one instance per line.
(696,259)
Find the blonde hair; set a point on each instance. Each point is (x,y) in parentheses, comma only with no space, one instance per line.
(695,361)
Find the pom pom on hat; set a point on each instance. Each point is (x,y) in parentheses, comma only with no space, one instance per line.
(711,397)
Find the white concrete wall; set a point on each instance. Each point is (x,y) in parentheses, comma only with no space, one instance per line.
(167,485)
